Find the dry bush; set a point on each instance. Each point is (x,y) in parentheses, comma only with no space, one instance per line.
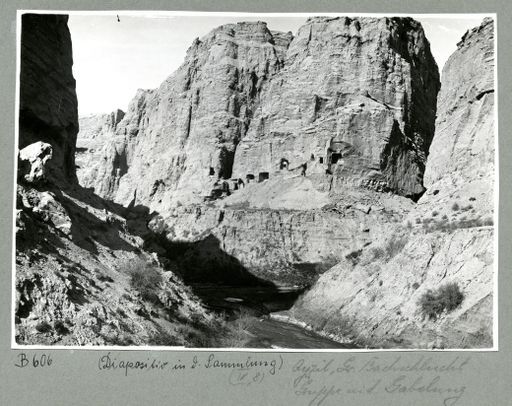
(447,298)
(145,278)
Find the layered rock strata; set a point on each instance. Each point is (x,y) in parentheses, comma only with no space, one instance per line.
(353,99)
(348,102)
(448,239)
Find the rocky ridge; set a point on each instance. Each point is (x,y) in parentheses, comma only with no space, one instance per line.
(448,237)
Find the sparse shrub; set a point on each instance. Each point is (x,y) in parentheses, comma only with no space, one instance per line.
(418,220)
(455,206)
(466,208)
(409,225)
(60,327)
(472,199)
(394,245)
(415,285)
(43,327)
(488,221)
(145,278)
(448,297)
(354,256)
(445,217)
(435,213)
(377,252)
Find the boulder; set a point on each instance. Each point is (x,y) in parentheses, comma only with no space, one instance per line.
(33,162)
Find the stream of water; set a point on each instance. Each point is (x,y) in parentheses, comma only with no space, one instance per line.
(262,301)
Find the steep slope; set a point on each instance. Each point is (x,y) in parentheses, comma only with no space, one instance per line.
(82,274)
(386,296)
(219,148)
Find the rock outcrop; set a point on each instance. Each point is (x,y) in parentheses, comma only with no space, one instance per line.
(33,161)
(380,298)
(353,99)
(348,102)
(48,107)
(356,98)
(82,275)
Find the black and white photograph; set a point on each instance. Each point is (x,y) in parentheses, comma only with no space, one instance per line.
(278,182)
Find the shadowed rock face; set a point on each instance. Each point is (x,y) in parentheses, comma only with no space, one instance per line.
(74,249)
(49,107)
(357,94)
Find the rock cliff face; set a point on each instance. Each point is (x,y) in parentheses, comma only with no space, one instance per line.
(48,108)
(354,99)
(350,103)
(447,240)
(461,162)
(174,137)
(96,154)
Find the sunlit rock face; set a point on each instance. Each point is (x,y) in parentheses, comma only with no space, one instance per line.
(178,139)
(460,167)
(48,103)
(449,236)
(353,99)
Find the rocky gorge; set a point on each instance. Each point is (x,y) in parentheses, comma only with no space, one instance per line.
(333,161)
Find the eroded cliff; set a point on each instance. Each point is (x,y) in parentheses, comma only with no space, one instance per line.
(387,297)
(348,102)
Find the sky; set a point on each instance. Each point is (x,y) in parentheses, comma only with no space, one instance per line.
(113,59)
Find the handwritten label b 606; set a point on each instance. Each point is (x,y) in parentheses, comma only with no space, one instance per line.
(35,361)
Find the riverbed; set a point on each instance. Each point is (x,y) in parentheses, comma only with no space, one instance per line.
(260,303)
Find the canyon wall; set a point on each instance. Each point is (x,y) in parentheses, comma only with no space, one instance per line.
(353,99)
(447,240)
(76,259)
(348,102)
(356,98)
(48,108)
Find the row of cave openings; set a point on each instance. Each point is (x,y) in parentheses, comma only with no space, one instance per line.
(334,153)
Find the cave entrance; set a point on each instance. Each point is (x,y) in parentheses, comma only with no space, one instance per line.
(212,171)
(249,177)
(263,176)
(283,164)
(335,157)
